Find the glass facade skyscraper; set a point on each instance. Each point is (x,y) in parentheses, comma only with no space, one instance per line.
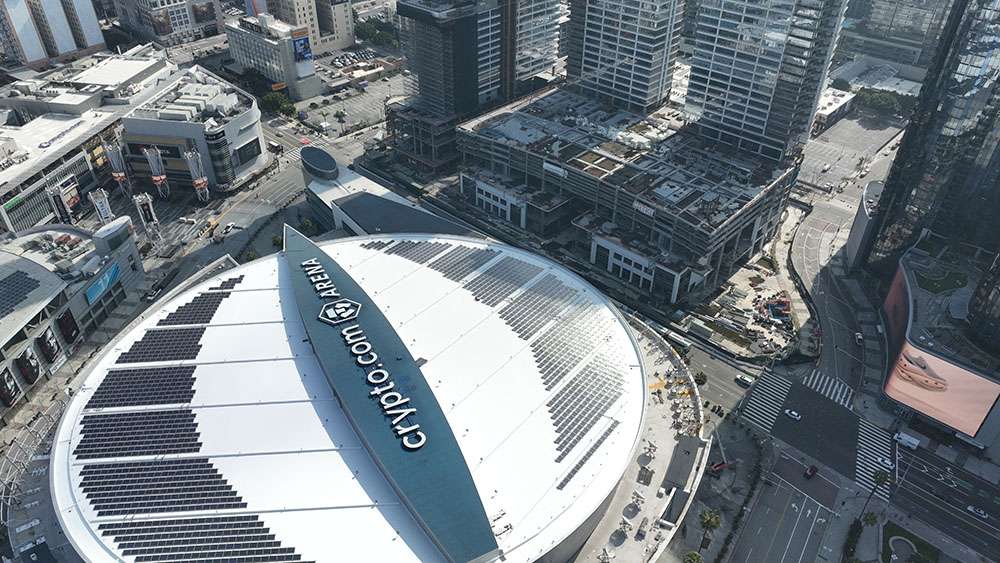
(946,176)
(984,310)
(758,69)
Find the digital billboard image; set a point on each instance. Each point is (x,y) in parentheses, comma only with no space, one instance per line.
(941,390)
(203,12)
(303,57)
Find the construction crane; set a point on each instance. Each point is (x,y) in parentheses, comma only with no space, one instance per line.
(147,215)
(118,170)
(159,174)
(102,205)
(198,177)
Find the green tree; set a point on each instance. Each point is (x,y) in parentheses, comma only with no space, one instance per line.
(307,227)
(274,101)
(710,520)
(693,557)
(841,84)
(276,241)
(701,378)
(251,255)
(287,108)
(880,478)
(869,519)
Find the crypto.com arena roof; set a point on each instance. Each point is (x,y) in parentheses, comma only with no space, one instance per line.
(388,398)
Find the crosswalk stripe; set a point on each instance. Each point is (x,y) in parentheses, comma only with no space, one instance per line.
(873,443)
(832,388)
(766,400)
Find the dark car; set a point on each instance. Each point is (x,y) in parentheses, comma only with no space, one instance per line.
(810,471)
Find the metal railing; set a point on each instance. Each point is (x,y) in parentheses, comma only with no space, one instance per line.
(18,455)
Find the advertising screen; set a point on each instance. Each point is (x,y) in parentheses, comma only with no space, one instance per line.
(941,390)
(97,289)
(160,21)
(203,12)
(303,57)
(897,312)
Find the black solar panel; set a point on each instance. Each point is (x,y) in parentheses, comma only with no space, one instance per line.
(199,311)
(566,343)
(14,288)
(420,252)
(501,279)
(546,299)
(165,345)
(144,386)
(462,261)
(590,452)
(138,433)
(229,283)
(377,244)
(146,487)
(577,407)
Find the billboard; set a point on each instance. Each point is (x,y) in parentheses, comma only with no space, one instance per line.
(896,308)
(160,22)
(302,52)
(202,13)
(97,289)
(950,394)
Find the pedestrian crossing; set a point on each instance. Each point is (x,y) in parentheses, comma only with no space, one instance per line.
(837,390)
(873,444)
(765,402)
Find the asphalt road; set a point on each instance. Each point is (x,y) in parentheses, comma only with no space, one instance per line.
(940,493)
(827,432)
(785,526)
(721,388)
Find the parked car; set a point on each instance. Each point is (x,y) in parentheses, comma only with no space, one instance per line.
(859,339)
(810,472)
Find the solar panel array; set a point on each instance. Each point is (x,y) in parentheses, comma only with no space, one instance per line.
(163,485)
(543,301)
(568,342)
(237,538)
(377,244)
(144,386)
(138,433)
(587,455)
(165,345)
(229,283)
(462,261)
(199,311)
(14,288)
(577,407)
(420,252)
(501,280)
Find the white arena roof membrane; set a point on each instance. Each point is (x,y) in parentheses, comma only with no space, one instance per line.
(384,398)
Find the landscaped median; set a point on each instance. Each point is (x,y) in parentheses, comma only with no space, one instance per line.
(907,546)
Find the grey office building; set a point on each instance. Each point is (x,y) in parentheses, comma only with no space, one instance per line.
(903,32)
(466,56)
(622,52)
(946,176)
(758,69)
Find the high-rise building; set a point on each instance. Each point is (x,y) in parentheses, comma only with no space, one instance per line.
(33,32)
(758,69)
(170,22)
(984,310)
(622,51)
(330,22)
(466,56)
(897,31)
(945,176)
(279,51)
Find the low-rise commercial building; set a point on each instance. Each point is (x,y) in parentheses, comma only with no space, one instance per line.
(663,210)
(279,51)
(57,285)
(833,105)
(197,111)
(51,147)
(938,370)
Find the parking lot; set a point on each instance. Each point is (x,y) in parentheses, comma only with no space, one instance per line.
(839,149)
(361,108)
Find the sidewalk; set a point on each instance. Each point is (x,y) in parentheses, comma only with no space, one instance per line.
(809,344)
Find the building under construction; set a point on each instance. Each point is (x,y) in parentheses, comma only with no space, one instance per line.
(660,208)
(466,56)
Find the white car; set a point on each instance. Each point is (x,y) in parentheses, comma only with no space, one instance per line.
(793,415)
(978,512)
(886,463)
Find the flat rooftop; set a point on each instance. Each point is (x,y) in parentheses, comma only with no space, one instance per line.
(941,279)
(194,95)
(832,100)
(650,157)
(114,71)
(46,139)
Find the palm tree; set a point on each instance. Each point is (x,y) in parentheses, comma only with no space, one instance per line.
(710,520)
(693,557)
(869,519)
(881,478)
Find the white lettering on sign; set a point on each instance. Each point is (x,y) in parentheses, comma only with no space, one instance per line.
(395,406)
(643,208)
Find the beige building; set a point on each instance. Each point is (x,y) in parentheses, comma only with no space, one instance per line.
(330,22)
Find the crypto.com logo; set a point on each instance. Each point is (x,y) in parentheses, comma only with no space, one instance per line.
(339,311)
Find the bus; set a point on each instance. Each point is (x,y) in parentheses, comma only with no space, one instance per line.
(683,345)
